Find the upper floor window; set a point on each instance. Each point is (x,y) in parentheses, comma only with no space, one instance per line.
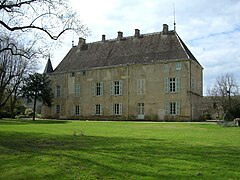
(72,74)
(172,85)
(193,85)
(178,66)
(116,87)
(77,90)
(58,91)
(140,86)
(97,89)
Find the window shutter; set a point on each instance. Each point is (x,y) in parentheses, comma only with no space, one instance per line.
(73,110)
(166,85)
(101,109)
(61,91)
(111,88)
(143,86)
(178,110)
(55,94)
(101,88)
(167,108)
(121,87)
(111,109)
(93,89)
(120,108)
(93,109)
(138,86)
(177,84)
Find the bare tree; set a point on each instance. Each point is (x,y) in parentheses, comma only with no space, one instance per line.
(225,93)
(52,17)
(25,28)
(12,69)
(32,22)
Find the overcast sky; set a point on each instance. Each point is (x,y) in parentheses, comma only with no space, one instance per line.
(210,29)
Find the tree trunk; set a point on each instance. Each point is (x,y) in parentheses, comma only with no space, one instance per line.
(34,107)
(12,106)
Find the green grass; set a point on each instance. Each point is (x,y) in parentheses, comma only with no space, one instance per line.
(117,150)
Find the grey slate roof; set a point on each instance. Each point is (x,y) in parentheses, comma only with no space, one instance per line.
(48,68)
(146,48)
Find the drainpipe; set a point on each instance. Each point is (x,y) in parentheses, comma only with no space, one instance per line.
(190,91)
(127,91)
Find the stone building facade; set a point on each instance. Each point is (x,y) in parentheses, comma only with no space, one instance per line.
(145,76)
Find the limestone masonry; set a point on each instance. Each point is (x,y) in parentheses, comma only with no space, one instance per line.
(144,76)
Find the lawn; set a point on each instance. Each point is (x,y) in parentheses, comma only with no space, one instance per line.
(117,150)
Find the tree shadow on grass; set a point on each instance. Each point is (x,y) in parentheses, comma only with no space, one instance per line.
(30,121)
(118,157)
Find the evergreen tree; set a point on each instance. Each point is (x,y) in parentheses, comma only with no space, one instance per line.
(38,87)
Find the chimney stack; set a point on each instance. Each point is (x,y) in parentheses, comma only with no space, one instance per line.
(165,29)
(81,41)
(120,35)
(137,33)
(103,38)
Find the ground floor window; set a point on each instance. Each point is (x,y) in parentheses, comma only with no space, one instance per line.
(58,109)
(97,109)
(77,110)
(116,109)
(172,108)
(140,108)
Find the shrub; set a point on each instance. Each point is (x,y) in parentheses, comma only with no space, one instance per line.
(29,112)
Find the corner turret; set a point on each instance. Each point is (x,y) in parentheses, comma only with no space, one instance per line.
(48,69)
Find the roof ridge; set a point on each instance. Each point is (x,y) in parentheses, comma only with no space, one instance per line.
(125,38)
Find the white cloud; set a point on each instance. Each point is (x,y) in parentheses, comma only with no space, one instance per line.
(210,29)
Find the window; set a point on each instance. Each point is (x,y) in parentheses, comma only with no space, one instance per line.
(140,86)
(165,67)
(83,73)
(77,110)
(193,85)
(172,108)
(72,74)
(116,88)
(116,109)
(140,108)
(77,90)
(172,85)
(178,66)
(97,109)
(97,89)
(58,91)
(58,109)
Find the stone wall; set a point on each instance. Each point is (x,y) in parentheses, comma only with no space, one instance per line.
(153,94)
